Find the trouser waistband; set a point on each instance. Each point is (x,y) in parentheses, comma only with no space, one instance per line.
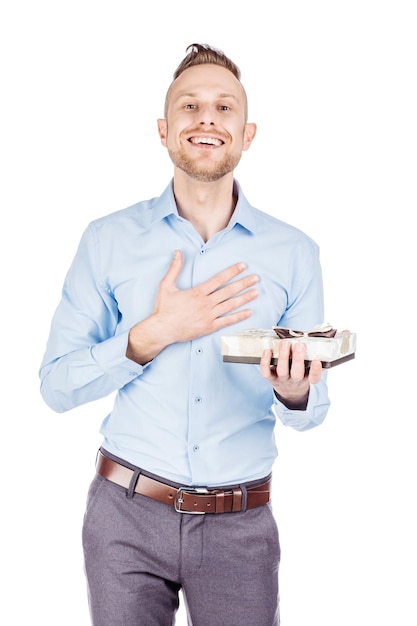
(194,500)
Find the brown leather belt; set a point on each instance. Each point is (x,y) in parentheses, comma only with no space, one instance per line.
(185,499)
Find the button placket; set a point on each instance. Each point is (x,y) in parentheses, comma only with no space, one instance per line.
(197,381)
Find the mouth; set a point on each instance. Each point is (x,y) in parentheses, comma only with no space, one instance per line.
(206,141)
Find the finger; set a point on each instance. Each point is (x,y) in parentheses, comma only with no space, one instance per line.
(226,306)
(315,372)
(220,279)
(170,278)
(230,319)
(265,365)
(230,290)
(298,365)
(283,365)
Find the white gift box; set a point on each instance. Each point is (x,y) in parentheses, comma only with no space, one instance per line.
(247,346)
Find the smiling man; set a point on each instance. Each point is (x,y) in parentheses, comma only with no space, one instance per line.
(181,495)
(206,107)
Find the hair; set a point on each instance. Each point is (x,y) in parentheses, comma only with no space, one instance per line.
(200,54)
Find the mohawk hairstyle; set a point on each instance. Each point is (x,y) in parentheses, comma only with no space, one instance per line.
(198,54)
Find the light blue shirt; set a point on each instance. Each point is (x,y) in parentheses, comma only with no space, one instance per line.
(186,416)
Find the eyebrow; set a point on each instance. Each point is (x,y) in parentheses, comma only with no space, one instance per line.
(191,94)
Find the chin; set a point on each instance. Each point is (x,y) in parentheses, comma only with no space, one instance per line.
(201,173)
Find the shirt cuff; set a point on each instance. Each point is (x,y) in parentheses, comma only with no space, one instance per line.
(313,415)
(110,356)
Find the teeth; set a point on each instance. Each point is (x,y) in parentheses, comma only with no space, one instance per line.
(206,140)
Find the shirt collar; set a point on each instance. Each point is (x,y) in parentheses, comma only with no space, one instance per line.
(164,205)
(244,214)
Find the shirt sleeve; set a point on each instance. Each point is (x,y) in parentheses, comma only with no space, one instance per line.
(315,412)
(85,357)
(305,309)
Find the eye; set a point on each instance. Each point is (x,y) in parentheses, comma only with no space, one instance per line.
(224,107)
(190,106)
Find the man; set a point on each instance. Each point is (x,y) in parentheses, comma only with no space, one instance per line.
(150,292)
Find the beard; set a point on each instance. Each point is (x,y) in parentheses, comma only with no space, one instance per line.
(205,172)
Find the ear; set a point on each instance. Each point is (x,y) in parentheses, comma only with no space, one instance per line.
(162,131)
(248,135)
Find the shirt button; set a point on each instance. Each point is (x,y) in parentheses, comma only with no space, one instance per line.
(198,400)
(202,251)
(199,351)
(196,448)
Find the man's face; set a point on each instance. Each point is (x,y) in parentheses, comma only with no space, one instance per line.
(205,129)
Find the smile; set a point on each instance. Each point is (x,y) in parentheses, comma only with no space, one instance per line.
(208,141)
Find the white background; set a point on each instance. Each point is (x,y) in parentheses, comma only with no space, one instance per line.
(332,87)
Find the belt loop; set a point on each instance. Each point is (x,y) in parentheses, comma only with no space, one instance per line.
(237,500)
(220,502)
(244,497)
(131,489)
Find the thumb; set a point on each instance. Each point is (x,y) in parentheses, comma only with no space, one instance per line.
(170,278)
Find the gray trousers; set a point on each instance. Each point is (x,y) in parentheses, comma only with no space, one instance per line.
(139,553)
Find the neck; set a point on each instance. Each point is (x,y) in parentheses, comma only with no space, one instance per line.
(208,206)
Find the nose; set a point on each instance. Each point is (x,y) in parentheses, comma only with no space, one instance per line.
(207,116)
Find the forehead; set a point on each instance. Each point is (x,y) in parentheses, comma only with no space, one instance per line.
(208,80)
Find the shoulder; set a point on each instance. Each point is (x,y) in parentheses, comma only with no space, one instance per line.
(283,233)
(263,224)
(138,215)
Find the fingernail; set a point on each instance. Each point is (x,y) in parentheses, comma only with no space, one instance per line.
(299,346)
(241,266)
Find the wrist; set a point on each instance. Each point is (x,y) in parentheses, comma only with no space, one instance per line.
(294,404)
(146,340)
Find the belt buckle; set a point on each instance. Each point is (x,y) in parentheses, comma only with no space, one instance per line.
(179,499)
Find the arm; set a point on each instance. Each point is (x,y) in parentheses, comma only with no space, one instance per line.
(301,398)
(88,357)
(85,354)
